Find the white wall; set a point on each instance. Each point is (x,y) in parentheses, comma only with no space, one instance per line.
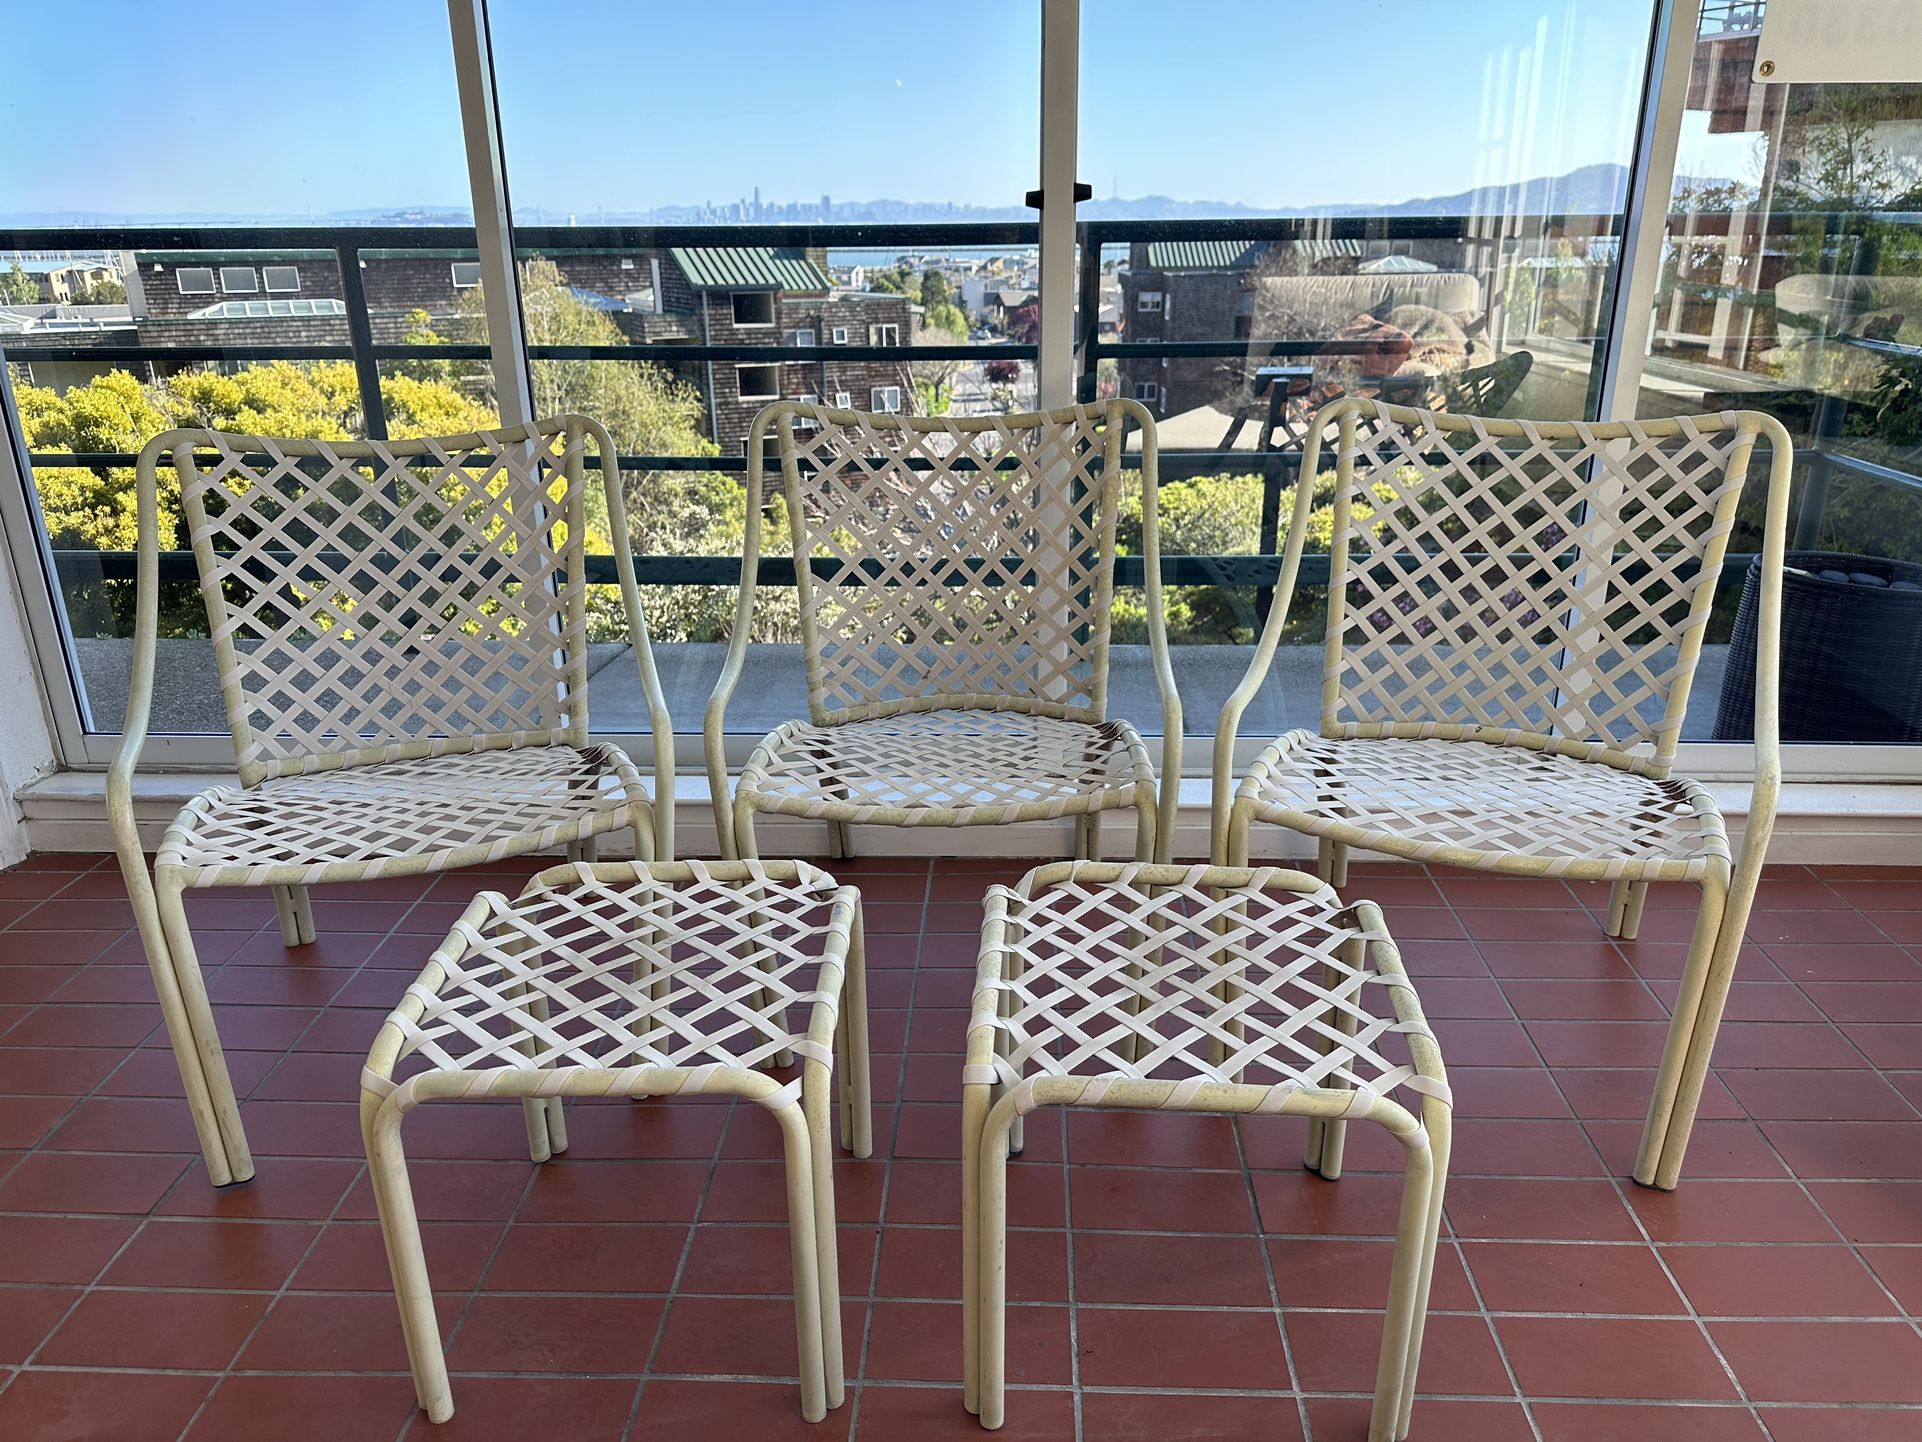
(26,739)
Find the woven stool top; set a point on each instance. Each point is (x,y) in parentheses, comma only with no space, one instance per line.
(1318,1008)
(621,969)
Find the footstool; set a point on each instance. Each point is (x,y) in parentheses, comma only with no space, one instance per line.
(1197,989)
(627,980)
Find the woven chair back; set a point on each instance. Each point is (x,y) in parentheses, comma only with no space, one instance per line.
(1549,581)
(384,600)
(954,561)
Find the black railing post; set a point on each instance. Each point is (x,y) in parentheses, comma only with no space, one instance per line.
(360,334)
(1090,328)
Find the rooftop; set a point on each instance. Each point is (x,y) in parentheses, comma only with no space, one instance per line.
(749,267)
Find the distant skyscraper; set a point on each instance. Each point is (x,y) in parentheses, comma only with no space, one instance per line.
(827,208)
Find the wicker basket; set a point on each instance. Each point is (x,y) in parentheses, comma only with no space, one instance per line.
(1851,654)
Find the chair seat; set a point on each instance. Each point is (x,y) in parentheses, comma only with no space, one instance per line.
(1487,806)
(1194,976)
(951,767)
(625,971)
(400,817)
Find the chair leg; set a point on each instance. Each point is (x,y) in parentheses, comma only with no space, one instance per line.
(1701,1044)
(296,912)
(197,1044)
(804,1242)
(840,841)
(1698,1009)
(1331,862)
(1235,847)
(1328,1136)
(749,850)
(194,1080)
(991,1253)
(1625,902)
(586,849)
(400,1232)
(974,1115)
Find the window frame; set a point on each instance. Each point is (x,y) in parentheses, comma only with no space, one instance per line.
(253,280)
(735,297)
(454,269)
(740,371)
(266,281)
(874,400)
(181,271)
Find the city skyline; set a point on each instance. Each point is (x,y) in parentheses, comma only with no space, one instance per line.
(851,98)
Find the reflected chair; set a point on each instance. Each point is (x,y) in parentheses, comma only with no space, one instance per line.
(956,580)
(1515,616)
(400,632)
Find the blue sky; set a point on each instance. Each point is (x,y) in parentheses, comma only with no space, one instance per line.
(628,104)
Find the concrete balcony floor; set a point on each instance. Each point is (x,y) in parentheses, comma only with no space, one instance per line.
(1171,1277)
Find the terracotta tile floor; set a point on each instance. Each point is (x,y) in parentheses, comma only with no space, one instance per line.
(1171,1278)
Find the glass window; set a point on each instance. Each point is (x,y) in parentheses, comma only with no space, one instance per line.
(465,274)
(1432,217)
(1791,282)
(581,192)
(344,160)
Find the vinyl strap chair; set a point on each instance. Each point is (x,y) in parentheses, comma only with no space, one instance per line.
(1196,989)
(956,588)
(1516,613)
(637,980)
(400,633)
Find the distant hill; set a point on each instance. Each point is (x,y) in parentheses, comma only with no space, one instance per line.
(1587,190)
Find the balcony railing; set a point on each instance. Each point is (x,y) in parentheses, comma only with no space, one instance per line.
(1487,244)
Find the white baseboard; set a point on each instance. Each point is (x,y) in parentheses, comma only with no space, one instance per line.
(1818,823)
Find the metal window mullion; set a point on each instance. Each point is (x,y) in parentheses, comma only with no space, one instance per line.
(493,222)
(1645,214)
(1060,99)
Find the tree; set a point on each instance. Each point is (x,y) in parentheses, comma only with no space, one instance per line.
(935,290)
(17,287)
(99,292)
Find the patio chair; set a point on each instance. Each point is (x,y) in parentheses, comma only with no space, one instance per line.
(1515,616)
(956,586)
(400,633)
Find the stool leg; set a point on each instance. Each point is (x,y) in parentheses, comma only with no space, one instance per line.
(803,1244)
(816,1085)
(857,1083)
(991,1248)
(1394,1371)
(1439,1122)
(1625,902)
(400,1232)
